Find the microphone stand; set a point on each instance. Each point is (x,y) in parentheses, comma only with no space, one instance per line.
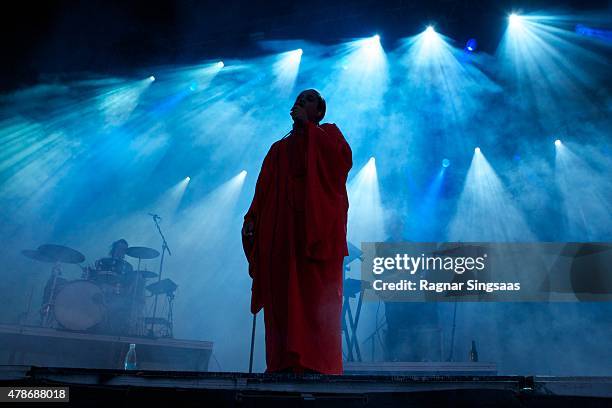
(165,248)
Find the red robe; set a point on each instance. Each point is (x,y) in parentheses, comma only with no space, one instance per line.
(300,213)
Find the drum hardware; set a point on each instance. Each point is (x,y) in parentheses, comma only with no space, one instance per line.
(56,254)
(165,247)
(164,287)
(49,296)
(110,271)
(49,290)
(157,320)
(138,297)
(23,316)
(137,292)
(110,296)
(139,277)
(147,274)
(164,325)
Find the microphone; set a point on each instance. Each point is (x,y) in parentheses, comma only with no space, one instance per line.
(155,216)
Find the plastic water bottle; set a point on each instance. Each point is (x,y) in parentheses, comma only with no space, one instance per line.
(473,353)
(130,358)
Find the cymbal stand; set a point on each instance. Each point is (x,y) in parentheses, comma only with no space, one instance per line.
(135,315)
(45,313)
(165,248)
(23,317)
(170,314)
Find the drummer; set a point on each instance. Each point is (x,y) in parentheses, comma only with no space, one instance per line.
(118,249)
(114,269)
(117,253)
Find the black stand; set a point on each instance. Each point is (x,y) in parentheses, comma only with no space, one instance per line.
(165,248)
(46,313)
(252,343)
(352,289)
(376,335)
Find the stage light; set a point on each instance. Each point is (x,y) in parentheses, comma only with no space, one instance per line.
(372,44)
(370,48)
(374,40)
(361,61)
(514,19)
(286,69)
(243,173)
(430,35)
(119,103)
(187,178)
(471,45)
(220,64)
(557,142)
(294,57)
(366,214)
(485,209)
(445,163)
(477,150)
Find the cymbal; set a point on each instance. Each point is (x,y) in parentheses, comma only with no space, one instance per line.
(60,253)
(37,256)
(142,252)
(147,274)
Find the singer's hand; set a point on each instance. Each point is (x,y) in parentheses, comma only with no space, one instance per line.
(248,229)
(299,116)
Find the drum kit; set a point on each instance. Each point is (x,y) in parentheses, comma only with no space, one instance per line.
(109,298)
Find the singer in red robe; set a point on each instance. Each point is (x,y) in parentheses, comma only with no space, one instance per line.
(294,237)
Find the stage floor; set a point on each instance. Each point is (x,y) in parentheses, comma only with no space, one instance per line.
(101,387)
(45,347)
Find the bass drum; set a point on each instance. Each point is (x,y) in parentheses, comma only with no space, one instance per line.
(79,305)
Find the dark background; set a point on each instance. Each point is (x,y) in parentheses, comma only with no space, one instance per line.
(118,37)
